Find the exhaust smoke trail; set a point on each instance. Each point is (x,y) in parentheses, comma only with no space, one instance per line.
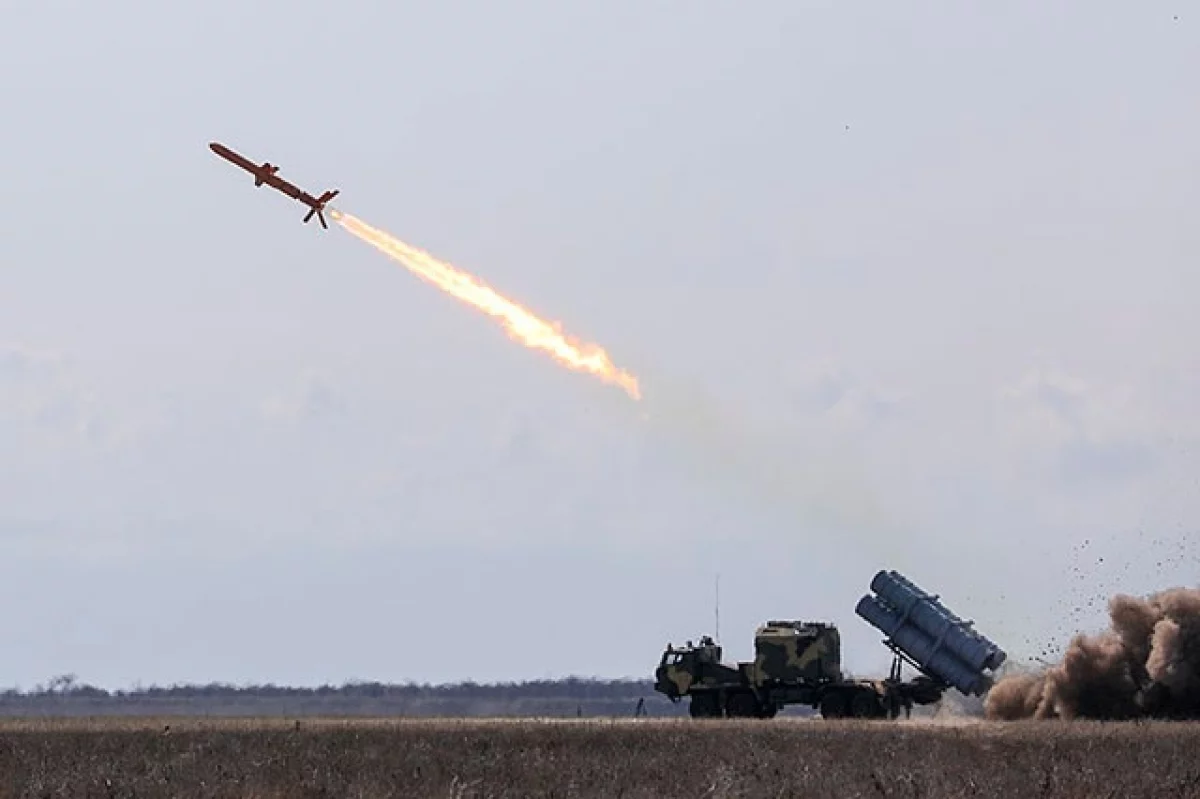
(521,324)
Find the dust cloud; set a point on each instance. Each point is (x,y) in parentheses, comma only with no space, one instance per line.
(1145,665)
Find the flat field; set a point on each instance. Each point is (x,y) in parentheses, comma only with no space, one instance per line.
(192,757)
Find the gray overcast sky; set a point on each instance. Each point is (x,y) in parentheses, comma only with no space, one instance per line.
(907,285)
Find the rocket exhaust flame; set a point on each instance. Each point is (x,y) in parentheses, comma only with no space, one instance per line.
(522,325)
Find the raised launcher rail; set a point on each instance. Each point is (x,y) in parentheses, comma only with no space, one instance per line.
(933,639)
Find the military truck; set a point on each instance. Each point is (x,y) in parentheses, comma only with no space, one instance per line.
(799,663)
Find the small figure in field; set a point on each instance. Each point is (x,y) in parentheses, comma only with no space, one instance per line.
(641,708)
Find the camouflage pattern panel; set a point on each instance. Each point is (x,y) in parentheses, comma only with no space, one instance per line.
(797,652)
(690,667)
(676,680)
(720,674)
(748,672)
(673,676)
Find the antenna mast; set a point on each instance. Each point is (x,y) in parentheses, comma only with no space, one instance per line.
(717,608)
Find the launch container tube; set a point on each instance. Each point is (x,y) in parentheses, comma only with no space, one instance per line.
(938,661)
(933,618)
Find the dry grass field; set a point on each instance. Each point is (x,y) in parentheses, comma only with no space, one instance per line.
(644,758)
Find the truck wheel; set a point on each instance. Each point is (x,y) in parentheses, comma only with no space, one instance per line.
(833,705)
(741,706)
(865,705)
(703,706)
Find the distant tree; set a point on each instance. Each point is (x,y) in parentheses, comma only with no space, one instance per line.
(61,684)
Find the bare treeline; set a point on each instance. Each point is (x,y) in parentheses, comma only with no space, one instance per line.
(66,696)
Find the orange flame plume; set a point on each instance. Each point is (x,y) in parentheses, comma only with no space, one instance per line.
(521,324)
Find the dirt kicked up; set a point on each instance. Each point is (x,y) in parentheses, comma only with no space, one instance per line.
(1146,665)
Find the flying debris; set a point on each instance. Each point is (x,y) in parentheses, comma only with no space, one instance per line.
(265,173)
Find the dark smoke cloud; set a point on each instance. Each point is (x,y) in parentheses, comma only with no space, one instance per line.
(1147,664)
